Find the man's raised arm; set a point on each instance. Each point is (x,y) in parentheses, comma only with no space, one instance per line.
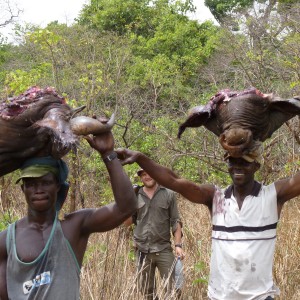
(202,194)
(287,189)
(110,216)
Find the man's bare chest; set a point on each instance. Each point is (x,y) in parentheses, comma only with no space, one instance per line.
(31,241)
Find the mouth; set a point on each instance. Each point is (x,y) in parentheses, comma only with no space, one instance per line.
(238,175)
(39,199)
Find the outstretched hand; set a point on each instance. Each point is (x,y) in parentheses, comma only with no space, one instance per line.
(104,142)
(127,156)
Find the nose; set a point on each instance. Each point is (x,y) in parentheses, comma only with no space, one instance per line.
(38,187)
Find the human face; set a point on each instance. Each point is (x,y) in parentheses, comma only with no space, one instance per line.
(241,171)
(148,181)
(41,192)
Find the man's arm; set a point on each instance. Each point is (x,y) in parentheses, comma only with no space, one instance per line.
(112,215)
(178,242)
(202,194)
(3,263)
(176,225)
(287,189)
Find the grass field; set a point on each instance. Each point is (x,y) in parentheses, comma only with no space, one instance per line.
(109,271)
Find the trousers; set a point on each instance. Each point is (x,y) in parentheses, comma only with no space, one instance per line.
(147,264)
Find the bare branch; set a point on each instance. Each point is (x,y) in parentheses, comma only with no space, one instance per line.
(9,12)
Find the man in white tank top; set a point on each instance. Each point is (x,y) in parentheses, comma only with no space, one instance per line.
(244,219)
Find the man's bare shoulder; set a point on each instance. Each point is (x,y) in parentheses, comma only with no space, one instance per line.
(77,214)
(77,218)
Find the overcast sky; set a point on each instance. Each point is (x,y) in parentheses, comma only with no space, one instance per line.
(42,12)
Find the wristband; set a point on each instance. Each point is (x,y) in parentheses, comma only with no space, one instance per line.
(178,245)
(110,157)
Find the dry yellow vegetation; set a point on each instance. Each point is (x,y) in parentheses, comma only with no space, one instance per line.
(109,270)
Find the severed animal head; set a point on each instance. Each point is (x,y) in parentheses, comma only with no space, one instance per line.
(242,120)
(40,123)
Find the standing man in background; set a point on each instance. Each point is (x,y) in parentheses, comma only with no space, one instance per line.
(157,213)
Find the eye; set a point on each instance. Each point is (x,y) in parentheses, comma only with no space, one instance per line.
(29,184)
(47,182)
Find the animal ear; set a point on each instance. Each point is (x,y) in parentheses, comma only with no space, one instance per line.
(199,116)
(77,110)
(289,106)
(282,111)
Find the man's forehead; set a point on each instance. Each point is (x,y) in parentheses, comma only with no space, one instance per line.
(231,159)
(48,176)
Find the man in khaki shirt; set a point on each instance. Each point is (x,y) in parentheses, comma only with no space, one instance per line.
(157,213)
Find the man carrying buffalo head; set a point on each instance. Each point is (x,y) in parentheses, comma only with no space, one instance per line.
(244,219)
(41,256)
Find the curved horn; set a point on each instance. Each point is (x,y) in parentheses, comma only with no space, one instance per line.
(85,125)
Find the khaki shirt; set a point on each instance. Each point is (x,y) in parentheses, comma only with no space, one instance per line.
(155,217)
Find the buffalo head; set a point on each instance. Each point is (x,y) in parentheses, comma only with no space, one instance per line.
(40,123)
(242,120)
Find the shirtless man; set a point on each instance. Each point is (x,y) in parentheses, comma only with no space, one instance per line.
(41,256)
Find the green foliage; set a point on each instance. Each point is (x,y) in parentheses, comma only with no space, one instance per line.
(131,255)
(5,220)
(5,52)
(200,268)
(116,15)
(16,82)
(288,1)
(5,55)
(167,47)
(44,38)
(131,16)
(222,8)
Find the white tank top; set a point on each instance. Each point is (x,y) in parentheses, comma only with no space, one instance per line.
(243,244)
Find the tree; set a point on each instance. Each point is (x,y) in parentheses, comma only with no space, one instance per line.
(224,8)
(131,16)
(168,48)
(116,15)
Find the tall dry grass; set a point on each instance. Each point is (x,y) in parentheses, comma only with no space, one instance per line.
(109,270)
